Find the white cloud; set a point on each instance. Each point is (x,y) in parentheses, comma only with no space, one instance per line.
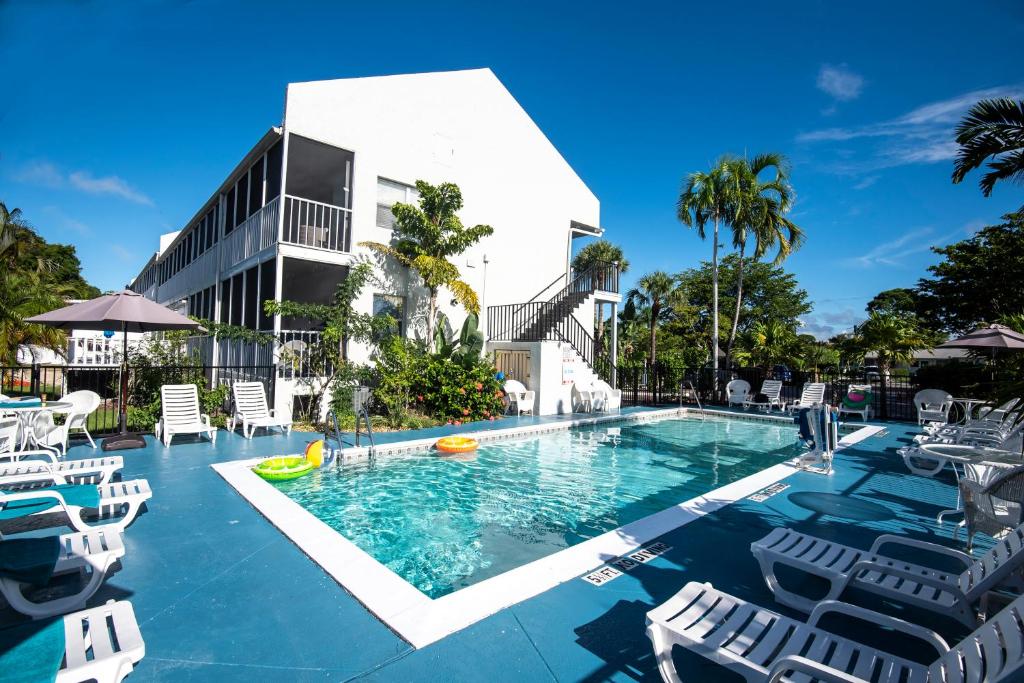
(891,254)
(48,175)
(829,324)
(840,83)
(866,182)
(83,180)
(921,136)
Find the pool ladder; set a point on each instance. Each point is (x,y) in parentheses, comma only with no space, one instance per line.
(688,386)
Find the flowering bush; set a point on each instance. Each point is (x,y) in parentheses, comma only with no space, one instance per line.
(453,392)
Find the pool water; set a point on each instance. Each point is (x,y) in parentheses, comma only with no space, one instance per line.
(443,524)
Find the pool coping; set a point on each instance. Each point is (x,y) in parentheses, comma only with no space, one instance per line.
(420,620)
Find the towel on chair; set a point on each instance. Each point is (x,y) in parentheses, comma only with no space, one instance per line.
(29,560)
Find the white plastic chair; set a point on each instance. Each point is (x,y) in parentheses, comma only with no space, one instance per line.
(47,433)
(932,405)
(251,408)
(772,389)
(813,393)
(180,403)
(864,390)
(519,396)
(582,399)
(737,392)
(611,398)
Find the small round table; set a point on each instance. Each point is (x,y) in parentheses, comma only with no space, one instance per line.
(29,413)
(967,405)
(986,461)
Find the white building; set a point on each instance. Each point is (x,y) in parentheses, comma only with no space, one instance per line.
(287,220)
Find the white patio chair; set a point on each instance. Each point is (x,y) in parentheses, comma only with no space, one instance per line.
(83,404)
(992,417)
(10,435)
(928,464)
(762,645)
(949,593)
(46,465)
(251,408)
(857,401)
(91,554)
(181,414)
(119,502)
(737,392)
(932,405)
(582,399)
(612,399)
(519,396)
(813,393)
(772,389)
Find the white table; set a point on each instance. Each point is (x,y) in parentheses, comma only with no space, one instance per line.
(29,413)
(968,405)
(986,463)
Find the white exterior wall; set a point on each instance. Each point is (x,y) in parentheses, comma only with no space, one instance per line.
(547,360)
(463,127)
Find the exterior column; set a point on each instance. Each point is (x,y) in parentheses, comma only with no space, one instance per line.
(614,355)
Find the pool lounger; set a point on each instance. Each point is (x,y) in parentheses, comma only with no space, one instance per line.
(948,593)
(762,645)
(86,471)
(96,551)
(119,502)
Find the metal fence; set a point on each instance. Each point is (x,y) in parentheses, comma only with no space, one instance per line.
(144,382)
(893,396)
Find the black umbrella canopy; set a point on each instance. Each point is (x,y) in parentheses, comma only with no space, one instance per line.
(992,337)
(126,311)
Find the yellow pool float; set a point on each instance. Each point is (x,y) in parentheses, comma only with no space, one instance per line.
(456,444)
(283,468)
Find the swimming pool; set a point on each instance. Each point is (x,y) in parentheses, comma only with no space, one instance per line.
(442,524)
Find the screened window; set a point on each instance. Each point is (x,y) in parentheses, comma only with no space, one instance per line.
(252,295)
(274,158)
(225,300)
(319,172)
(237,299)
(389,193)
(240,201)
(308,282)
(268,277)
(230,206)
(256,187)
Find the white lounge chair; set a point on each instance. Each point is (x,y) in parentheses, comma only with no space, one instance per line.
(933,405)
(181,414)
(101,643)
(737,392)
(989,417)
(90,553)
(519,396)
(83,404)
(762,645)
(857,401)
(612,398)
(118,505)
(948,593)
(772,389)
(813,394)
(929,464)
(251,409)
(44,462)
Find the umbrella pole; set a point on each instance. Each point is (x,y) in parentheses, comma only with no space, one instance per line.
(122,407)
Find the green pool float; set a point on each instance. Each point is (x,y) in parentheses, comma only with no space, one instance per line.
(283,468)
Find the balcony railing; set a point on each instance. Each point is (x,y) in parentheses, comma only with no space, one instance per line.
(317,225)
(256,233)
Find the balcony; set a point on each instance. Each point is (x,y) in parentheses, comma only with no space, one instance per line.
(316,225)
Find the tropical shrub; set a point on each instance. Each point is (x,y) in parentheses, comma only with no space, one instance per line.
(452,392)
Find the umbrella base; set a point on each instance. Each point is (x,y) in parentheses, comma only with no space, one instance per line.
(122,442)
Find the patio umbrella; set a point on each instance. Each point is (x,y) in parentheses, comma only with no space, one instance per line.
(992,337)
(126,311)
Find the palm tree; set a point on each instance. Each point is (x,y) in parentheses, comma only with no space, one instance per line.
(893,338)
(426,236)
(760,214)
(653,291)
(597,253)
(992,129)
(709,196)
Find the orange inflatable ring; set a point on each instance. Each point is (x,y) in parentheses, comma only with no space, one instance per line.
(456,444)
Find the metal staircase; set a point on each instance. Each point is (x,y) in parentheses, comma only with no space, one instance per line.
(553,319)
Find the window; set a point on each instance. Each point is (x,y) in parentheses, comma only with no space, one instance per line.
(393,306)
(237,296)
(388,194)
(256,187)
(225,300)
(274,159)
(229,206)
(268,277)
(308,282)
(251,296)
(319,172)
(240,201)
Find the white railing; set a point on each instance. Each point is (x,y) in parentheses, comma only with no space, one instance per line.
(314,224)
(256,233)
(289,353)
(197,275)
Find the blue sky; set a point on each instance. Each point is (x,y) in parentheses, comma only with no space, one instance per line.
(119,119)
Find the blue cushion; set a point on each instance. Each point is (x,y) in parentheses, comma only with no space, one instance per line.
(32,652)
(84,495)
(30,560)
(27,403)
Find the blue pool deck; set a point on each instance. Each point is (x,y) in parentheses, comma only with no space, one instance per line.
(220,594)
